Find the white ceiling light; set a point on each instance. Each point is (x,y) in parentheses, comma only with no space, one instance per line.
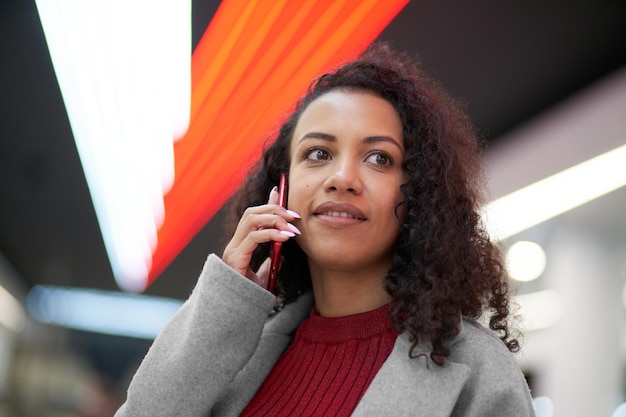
(124,70)
(525,261)
(114,313)
(556,194)
(572,154)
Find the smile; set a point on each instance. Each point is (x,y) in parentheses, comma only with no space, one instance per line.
(340,214)
(337,210)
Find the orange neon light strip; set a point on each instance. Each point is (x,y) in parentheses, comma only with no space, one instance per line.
(254,61)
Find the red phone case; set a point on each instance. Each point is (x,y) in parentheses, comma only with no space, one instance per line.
(275,248)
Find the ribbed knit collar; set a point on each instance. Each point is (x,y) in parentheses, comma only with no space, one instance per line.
(341,329)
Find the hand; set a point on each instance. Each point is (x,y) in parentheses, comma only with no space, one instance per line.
(260,224)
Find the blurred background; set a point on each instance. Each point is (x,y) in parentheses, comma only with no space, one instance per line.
(545,84)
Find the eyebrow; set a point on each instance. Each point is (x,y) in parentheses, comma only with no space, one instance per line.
(332,138)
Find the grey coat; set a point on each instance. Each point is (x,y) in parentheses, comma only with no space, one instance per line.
(215,352)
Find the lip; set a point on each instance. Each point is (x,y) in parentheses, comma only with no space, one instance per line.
(340,211)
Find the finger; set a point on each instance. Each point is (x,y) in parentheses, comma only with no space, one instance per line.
(261,216)
(263,221)
(273,198)
(254,239)
(259,224)
(257,228)
(263,274)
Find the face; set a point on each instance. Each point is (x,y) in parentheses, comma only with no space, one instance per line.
(344,180)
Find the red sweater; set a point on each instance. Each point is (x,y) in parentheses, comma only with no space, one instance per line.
(328,367)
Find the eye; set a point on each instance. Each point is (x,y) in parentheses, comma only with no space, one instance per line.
(380,158)
(317,154)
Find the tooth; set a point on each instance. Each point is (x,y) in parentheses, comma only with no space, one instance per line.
(339,214)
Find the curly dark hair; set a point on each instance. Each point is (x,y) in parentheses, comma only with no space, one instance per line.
(444,265)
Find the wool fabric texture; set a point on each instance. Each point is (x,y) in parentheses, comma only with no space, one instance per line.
(328,367)
(216,351)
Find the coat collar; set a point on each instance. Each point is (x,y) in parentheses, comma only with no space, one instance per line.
(416,386)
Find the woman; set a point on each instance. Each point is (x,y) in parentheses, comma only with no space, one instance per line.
(385,270)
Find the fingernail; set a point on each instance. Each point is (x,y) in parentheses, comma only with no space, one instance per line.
(286,233)
(294,214)
(294,228)
(273,190)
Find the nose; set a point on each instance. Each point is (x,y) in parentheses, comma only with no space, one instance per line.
(344,177)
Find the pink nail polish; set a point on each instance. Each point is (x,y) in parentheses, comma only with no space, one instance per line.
(286,233)
(294,214)
(294,228)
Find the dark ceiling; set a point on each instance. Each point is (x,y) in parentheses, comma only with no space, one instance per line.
(508,60)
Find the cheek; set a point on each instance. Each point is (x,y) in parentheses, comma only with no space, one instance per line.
(301,185)
(297,194)
(394,200)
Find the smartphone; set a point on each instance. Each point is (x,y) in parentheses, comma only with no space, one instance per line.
(275,248)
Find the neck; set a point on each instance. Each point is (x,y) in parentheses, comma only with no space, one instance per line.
(342,293)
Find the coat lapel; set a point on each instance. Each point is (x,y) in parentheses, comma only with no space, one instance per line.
(415,386)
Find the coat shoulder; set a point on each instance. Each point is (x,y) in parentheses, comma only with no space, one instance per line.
(495,376)
(474,338)
(482,351)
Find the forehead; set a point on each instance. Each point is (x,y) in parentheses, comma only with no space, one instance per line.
(348,111)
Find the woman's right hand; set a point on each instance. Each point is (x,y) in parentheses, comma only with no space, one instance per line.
(260,224)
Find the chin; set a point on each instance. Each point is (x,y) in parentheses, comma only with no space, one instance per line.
(348,259)
(331,257)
